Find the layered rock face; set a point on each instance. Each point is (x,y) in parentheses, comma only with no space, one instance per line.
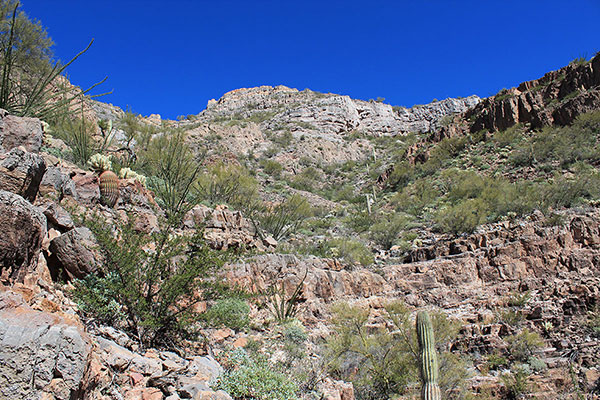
(556,98)
(324,127)
(331,113)
(470,278)
(41,353)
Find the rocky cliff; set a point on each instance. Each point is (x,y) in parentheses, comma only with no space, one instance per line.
(48,351)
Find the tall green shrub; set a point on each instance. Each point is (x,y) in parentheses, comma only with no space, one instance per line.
(148,284)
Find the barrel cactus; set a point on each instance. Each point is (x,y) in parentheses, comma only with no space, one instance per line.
(109,188)
(428,358)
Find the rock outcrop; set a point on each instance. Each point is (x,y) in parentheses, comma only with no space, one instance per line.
(20,131)
(330,113)
(21,172)
(23,231)
(40,353)
(74,252)
(556,98)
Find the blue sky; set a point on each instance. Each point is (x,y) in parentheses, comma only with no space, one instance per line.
(171,57)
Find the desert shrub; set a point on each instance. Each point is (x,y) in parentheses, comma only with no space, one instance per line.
(78,135)
(563,145)
(382,361)
(360,221)
(462,217)
(228,184)
(387,230)
(496,361)
(149,282)
(508,136)
(271,167)
(285,218)
(593,321)
(516,299)
(253,376)
(282,138)
(230,312)
(516,382)
(563,191)
(305,180)
(401,176)
(171,171)
(295,333)
(417,196)
(523,345)
(350,251)
(442,154)
(536,364)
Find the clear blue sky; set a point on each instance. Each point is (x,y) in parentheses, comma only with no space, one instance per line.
(171,57)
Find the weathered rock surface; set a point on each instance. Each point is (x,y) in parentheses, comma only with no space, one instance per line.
(556,98)
(23,230)
(247,121)
(224,228)
(74,251)
(20,131)
(21,172)
(331,113)
(40,353)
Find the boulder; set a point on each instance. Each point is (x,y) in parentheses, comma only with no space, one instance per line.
(23,231)
(20,131)
(55,180)
(21,172)
(74,250)
(57,216)
(41,354)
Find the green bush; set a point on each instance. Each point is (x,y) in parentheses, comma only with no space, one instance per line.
(523,345)
(228,184)
(253,377)
(382,361)
(231,312)
(172,172)
(350,251)
(271,167)
(149,293)
(284,219)
(517,381)
(463,217)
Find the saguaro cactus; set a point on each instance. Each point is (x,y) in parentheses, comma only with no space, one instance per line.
(109,188)
(428,358)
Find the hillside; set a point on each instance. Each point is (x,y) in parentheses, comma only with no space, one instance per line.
(328,223)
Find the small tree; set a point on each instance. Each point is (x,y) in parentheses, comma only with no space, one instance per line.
(172,171)
(285,218)
(148,284)
(30,79)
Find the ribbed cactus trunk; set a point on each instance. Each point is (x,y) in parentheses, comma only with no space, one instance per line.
(109,188)
(428,358)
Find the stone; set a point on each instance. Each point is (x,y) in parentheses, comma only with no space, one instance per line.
(21,172)
(212,395)
(23,232)
(204,368)
(336,390)
(20,131)
(37,348)
(74,251)
(57,181)
(57,216)
(189,391)
(122,359)
(240,342)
